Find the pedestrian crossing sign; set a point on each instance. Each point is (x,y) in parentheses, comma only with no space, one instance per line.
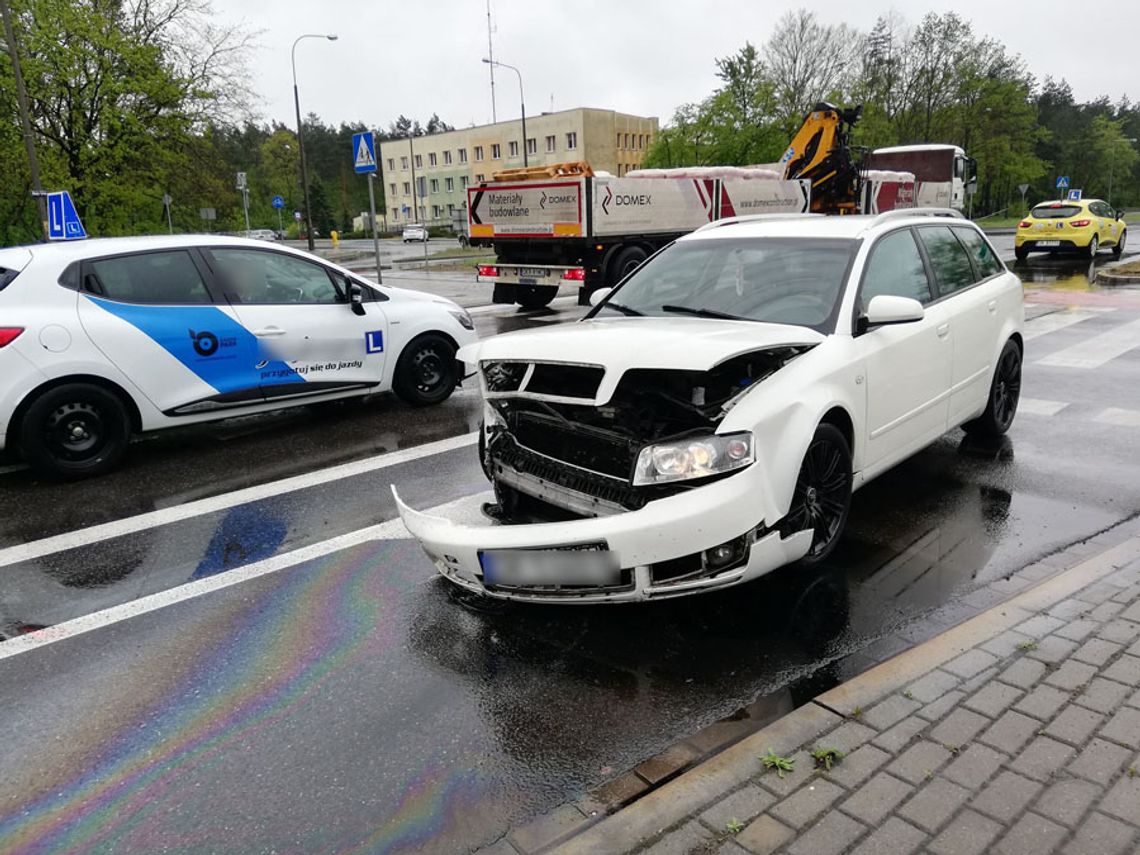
(364,152)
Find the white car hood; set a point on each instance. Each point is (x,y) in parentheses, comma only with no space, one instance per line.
(618,344)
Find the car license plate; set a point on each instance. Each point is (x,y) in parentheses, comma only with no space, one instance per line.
(533,272)
(1048,243)
(589,566)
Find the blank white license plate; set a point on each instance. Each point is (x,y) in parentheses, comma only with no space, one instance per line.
(521,567)
(1048,243)
(534,272)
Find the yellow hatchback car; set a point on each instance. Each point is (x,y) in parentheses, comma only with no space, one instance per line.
(1082,225)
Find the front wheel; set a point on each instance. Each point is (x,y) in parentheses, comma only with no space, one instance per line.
(1005,390)
(75,431)
(426,371)
(1093,247)
(822,498)
(1118,250)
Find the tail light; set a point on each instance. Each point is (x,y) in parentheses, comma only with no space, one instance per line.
(9,335)
(1024,224)
(1079,224)
(488,270)
(574,274)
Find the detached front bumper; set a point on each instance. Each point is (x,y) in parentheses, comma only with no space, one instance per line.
(659,548)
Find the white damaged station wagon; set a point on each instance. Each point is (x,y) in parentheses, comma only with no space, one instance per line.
(709,419)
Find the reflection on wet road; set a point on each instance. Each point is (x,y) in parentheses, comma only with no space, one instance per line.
(358,702)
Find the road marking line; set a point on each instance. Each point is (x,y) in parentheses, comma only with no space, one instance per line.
(1096,351)
(1117,416)
(1040,406)
(1045,324)
(177,513)
(15,467)
(390,530)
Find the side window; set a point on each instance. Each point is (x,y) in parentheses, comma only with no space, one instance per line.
(896,269)
(952,268)
(258,276)
(985,261)
(169,277)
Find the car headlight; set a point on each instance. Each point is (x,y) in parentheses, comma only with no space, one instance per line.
(463,318)
(697,457)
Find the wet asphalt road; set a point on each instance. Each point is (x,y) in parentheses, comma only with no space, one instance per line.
(354,703)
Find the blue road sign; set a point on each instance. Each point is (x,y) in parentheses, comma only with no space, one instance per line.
(1062,182)
(363,152)
(63,219)
(278,202)
(1074,195)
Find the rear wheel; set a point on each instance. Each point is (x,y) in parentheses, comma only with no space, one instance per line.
(1021,253)
(75,431)
(535,296)
(624,263)
(426,371)
(1005,391)
(822,498)
(1093,247)
(1118,250)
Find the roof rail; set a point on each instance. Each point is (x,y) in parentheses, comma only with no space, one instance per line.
(752,218)
(899,213)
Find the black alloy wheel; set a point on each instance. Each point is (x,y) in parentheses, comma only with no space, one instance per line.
(426,372)
(822,497)
(1005,392)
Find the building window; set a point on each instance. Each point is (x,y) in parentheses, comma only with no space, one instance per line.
(450,209)
(431,159)
(513,148)
(627,140)
(641,141)
(407,189)
(403,162)
(618,143)
(395,213)
(435,185)
(462,155)
(550,142)
(391,165)
(571,140)
(532,146)
(480,178)
(419,161)
(421,186)
(392,187)
(478,152)
(463,182)
(450,185)
(447,157)
(496,151)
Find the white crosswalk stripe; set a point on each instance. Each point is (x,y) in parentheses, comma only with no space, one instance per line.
(1054,321)
(1040,407)
(1116,416)
(1095,351)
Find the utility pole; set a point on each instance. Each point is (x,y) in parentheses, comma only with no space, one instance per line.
(491,56)
(375,234)
(522,102)
(25,116)
(415,205)
(301,135)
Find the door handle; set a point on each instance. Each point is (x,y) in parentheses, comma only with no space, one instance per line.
(269,331)
(943,330)
(992,306)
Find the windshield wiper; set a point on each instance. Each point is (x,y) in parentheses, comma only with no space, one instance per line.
(625,310)
(704,313)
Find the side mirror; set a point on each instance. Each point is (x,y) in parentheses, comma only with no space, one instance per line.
(356,298)
(885,309)
(599,295)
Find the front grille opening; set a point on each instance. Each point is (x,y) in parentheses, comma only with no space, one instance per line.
(504,376)
(570,381)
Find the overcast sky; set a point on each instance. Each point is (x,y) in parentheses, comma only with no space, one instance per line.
(638,56)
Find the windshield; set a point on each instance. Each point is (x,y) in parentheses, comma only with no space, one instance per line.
(776,280)
(1055,212)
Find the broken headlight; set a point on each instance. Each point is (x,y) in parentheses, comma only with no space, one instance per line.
(697,457)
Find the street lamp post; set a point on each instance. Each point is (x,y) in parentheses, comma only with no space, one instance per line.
(1112,165)
(494,63)
(301,133)
(25,114)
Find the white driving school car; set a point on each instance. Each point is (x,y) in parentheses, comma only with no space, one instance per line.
(100,339)
(709,419)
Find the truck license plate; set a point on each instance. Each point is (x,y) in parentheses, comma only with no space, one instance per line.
(533,272)
(545,567)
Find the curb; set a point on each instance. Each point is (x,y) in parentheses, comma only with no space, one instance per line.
(674,802)
(1107,277)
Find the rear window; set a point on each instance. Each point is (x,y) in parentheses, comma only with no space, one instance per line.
(6,277)
(1059,212)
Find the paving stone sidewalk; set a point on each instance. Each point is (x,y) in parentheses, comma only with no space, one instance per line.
(1024,740)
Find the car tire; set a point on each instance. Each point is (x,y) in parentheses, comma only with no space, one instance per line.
(77,430)
(624,263)
(426,372)
(1005,390)
(822,498)
(1021,253)
(1118,250)
(1093,247)
(535,296)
